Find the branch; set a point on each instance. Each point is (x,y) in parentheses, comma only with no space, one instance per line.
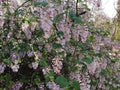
(21,6)
(77,8)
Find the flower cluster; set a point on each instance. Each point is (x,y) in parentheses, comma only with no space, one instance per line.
(16,86)
(2,68)
(53,86)
(49,44)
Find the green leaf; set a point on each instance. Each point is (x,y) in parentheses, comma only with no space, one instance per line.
(82,46)
(19,61)
(87,60)
(75,85)
(49,76)
(43,3)
(6,80)
(43,63)
(6,61)
(104,72)
(74,18)
(62,81)
(57,45)
(63,53)
(24,80)
(23,47)
(60,33)
(77,61)
(20,12)
(13,40)
(72,41)
(59,1)
(91,38)
(57,18)
(36,81)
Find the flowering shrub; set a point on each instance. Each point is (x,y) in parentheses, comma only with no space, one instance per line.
(49,45)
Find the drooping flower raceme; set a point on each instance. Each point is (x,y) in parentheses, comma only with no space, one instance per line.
(57,64)
(16,86)
(2,68)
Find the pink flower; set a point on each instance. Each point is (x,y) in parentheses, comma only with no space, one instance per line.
(92,67)
(2,67)
(84,35)
(33,26)
(16,86)
(107,41)
(35,65)
(26,30)
(57,64)
(96,48)
(103,65)
(14,67)
(50,12)
(53,86)
(46,25)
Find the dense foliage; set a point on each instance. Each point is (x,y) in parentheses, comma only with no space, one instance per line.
(55,45)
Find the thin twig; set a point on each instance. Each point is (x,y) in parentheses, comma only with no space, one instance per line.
(21,6)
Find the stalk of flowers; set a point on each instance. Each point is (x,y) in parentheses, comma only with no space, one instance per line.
(2,18)
(46,70)
(76,33)
(35,65)
(14,56)
(116,47)
(96,48)
(46,25)
(41,87)
(84,35)
(65,28)
(2,68)
(57,64)
(26,30)
(16,85)
(92,67)
(97,44)
(53,86)
(85,85)
(14,67)
(84,80)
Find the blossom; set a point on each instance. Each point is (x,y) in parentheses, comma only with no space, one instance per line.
(53,86)
(92,67)
(77,76)
(30,53)
(14,67)
(46,25)
(57,64)
(107,41)
(2,67)
(51,12)
(41,87)
(103,65)
(15,56)
(26,30)
(65,28)
(84,35)
(33,26)
(46,70)
(35,65)
(16,86)
(96,48)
